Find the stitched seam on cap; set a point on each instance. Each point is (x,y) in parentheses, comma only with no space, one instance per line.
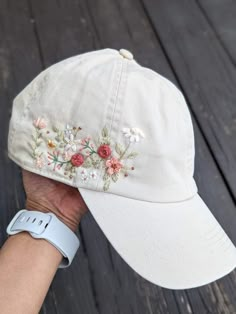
(120,99)
(119,76)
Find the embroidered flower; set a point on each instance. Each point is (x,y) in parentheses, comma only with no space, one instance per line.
(84,175)
(133,134)
(40,123)
(85,140)
(71,142)
(39,162)
(93,175)
(73,156)
(51,144)
(113,165)
(77,160)
(68,131)
(67,155)
(104,151)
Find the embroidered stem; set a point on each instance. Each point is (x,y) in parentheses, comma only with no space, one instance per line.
(90,148)
(124,152)
(36,141)
(102,154)
(56,160)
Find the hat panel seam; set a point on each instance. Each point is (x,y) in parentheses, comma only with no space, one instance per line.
(111,107)
(116,115)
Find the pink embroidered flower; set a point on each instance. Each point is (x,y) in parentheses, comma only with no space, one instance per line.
(85,140)
(77,160)
(39,162)
(67,155)
(40,123)
(104,151)
(113,165)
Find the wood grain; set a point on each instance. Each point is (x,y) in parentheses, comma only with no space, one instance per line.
(179,42)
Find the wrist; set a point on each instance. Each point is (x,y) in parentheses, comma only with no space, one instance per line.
(46,208)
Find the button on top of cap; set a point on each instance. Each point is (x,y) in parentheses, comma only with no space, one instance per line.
(126,54)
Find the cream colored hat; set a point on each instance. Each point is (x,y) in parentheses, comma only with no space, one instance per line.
(122,134)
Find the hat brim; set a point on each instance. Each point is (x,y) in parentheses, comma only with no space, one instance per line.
(174,245)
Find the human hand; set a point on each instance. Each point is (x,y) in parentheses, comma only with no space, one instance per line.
(47,195)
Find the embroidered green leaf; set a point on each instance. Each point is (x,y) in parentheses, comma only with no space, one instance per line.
(59,137)
(32,145)
(68,167)
(96,164)
(106,176)
(132,155)
(55,129)
(95,161)
(67,137)
(33,155)
(106,185)
(104,132)
(87,163)
(105,140)
(119,149)
(115,177)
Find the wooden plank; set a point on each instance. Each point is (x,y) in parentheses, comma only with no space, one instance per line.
(62,29)
(135,25)
(205,73)
(221,16)
(148,293)
(19,63)
(121,24)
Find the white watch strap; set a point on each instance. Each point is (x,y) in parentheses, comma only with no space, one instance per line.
(46,226)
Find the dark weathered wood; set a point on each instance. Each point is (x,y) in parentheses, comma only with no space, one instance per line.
(99,281)
(204,71)
(129,29)
(20,62)
(221,17)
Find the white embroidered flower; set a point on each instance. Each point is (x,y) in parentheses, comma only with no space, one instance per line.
(68,131)
(93,175)
(84,176)
(71,142)
(133,134)
(39,162)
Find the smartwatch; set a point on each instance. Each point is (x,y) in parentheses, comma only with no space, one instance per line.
(49,227)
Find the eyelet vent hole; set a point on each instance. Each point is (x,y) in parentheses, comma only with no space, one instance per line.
(28,219)
(46,225)
(22,218)
(40,222)
(33,220)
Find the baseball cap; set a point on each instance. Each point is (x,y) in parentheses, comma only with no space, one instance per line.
(122,134)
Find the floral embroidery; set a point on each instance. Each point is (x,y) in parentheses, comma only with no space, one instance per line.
(68,152)
(40,123)
(133,134)
(39,162)
(104,151)
(113,166)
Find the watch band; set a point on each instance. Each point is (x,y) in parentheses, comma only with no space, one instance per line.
(46,226)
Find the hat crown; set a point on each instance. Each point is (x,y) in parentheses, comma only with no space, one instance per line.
(106,123)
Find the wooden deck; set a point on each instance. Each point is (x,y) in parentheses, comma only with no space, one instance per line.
(192,42)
